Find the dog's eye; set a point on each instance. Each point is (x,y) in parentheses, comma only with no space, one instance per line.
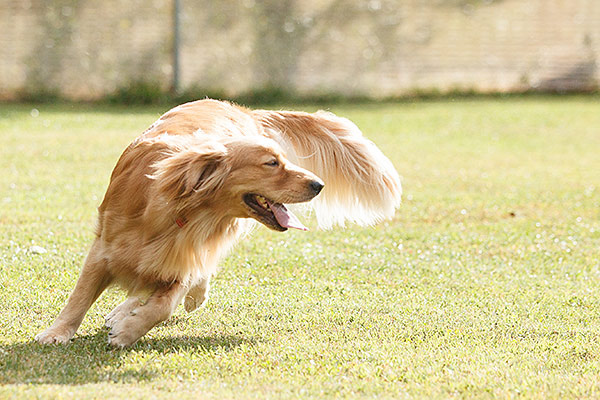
(272,163)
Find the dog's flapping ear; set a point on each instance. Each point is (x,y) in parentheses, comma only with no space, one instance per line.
(198,171)
(361,184)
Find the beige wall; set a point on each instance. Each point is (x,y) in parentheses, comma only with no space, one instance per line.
(87,48)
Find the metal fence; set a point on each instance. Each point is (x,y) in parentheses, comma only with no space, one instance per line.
(85,49)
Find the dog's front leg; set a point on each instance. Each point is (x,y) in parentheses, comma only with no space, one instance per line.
(159,306)
(197,295)
(93,280)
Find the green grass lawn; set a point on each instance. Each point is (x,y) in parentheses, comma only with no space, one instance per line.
(485,285)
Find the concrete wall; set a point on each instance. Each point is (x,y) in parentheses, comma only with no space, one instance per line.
(88,48)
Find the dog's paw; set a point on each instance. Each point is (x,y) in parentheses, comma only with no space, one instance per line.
(126,331)
(196,297)
(193,303)
(121,311)
(120,339)
(54,336)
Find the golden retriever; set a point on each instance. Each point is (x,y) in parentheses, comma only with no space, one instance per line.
(194,182)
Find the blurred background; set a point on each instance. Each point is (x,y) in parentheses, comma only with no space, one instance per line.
(93,49)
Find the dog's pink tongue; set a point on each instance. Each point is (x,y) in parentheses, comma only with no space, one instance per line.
(285,217)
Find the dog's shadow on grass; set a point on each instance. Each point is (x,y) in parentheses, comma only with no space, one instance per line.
(89,359)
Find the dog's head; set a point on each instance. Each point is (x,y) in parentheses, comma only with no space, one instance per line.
(247,177)
(262,179)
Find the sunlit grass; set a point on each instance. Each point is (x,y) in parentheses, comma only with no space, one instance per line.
(486,284)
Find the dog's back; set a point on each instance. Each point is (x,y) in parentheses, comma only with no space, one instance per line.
(205,116)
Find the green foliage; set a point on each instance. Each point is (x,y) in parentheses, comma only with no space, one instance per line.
(195,93)
(139,92)
(144,93)
(40,94)
(485,285)
(148,93)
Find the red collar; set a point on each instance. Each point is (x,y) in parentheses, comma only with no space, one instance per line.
(181,221)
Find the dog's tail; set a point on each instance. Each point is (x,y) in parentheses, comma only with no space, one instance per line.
(361,184)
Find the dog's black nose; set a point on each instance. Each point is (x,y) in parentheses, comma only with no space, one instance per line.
(316,186)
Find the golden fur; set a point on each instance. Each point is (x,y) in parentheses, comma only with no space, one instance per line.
(184,191)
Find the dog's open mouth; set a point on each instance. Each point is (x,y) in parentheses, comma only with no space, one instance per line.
(272,214)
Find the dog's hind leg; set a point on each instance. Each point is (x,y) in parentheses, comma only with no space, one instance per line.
(122,310)
(93,280)
(197,295)
(159,306)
